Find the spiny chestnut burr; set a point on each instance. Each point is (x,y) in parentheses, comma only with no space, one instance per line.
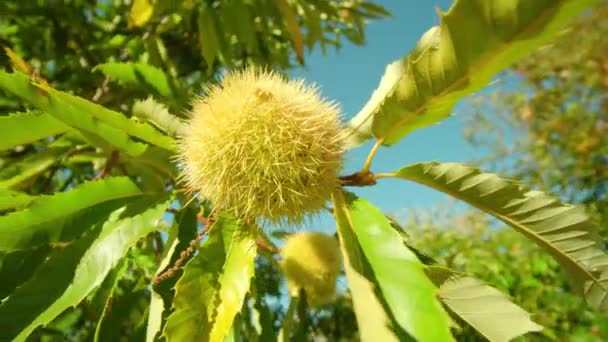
(311,262)
(263,147)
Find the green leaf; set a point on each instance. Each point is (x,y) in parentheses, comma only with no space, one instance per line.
(285,334)
(16,175)
(106,292)
(24,128)
(234,281)
(183,232)
(214,284)
(291,24)
(64,216)
(208,35)
(97,301)
(17,267)
(157,307)
(117,120)
(565,231)
(158,115)
(70,274)
(400,276)
(88,120)
(360,282)
(475,40)
(483,307)
(238,17)
(14,199)
(139,75)
(125,309)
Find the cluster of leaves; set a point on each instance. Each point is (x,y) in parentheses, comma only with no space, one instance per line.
(88,188)
(469,242)
(189,40)
(554,133)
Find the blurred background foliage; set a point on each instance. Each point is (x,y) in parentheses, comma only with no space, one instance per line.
(191,39)
(470,242)
(549,126)
(553,134)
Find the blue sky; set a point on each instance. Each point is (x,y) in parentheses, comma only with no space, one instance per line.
(351,74)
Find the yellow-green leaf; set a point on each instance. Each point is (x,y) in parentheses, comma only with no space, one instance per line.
(408,293)
(140,13)
(214,284)
(234,282)
(565,231)
(25,128)
(475,40)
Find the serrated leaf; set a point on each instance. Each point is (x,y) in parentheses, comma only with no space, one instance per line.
(16,175)
(483,307)
(104,293)
(64,216)
(400,276)
(157,114)
(208,279)
(157,306)
(24,128)
(475,40)
(125,310)
(84,119)
(565,231)
(234,281)
(97,300)
(70,274)
(139,75)
(112,127)
(365,300)
(157,159)
(14,199)
(183,232)
(117,120)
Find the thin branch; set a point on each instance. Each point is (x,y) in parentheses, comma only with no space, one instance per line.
(109,165)
(262,244)
(361,178)
(185,254)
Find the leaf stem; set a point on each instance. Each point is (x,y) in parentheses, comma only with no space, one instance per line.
(370,157)
(383,175)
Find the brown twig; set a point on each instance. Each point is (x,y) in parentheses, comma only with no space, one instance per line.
(184,255)
(361,178)
(262,244)
(109,165)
